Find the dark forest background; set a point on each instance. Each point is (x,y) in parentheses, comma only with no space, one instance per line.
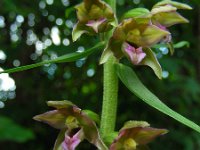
(32,31)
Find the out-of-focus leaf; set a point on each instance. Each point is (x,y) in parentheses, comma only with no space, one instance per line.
(171,48)
(182,44)
(133,83)
(65,58)
(10,131)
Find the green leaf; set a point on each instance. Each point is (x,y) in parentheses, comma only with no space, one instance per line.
(151,61)
(136,12)
(10,131)
(65,58)
(133,83)
(182,44)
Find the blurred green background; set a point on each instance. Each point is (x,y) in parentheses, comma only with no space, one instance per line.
(32,31)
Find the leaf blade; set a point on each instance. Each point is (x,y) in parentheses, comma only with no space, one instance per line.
(65,58)
(132,82)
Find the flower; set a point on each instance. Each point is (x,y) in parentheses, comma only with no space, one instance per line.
(163,15)
(135,135)
(74,124)
(133,39)
(94,16)
(136,32)
(141,30)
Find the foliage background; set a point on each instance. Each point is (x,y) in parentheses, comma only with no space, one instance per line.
(32,38)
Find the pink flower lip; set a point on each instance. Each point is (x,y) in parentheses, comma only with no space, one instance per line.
(70,143)
(96,23)
(136,55)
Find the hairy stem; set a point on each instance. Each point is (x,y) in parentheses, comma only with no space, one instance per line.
(110,91)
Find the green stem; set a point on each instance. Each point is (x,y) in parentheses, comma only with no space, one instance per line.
(110,91)
(110,94)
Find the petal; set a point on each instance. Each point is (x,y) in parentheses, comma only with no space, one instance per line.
(133,123)
(178,5)
(60,104)
(161,9)
(146,35)
(145,135)
(169,18)
(55,118)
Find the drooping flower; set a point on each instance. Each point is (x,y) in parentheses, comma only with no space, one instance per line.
(133,38)
(135,135)
(94,16)
(163,15)
(74,124)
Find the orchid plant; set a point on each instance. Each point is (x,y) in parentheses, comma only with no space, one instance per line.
(132,37)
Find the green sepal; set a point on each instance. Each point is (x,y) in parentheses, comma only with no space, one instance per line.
(133,124)
(168,19)
(136,12)
(151,61)
(178,5)
(78,30)
(162,9)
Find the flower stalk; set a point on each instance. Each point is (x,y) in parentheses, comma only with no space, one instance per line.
(110,90)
